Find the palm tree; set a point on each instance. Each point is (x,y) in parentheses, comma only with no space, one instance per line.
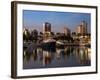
(34,35)
(26,35)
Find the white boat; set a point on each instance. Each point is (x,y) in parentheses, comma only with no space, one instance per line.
(60,42)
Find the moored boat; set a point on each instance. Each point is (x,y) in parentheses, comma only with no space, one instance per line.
(59,44)
(49,45)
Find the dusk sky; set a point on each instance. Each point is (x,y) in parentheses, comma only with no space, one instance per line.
(35,19)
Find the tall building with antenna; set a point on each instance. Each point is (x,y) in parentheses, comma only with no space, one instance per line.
(46,29)
(82,28)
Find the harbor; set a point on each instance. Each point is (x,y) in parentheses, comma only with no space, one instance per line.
(67,56)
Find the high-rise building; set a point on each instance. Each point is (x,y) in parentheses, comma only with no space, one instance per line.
(82,28)
(67,31)
(47,29)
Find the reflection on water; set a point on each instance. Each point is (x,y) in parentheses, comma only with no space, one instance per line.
(66,57)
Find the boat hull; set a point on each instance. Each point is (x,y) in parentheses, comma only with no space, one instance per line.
(49,46)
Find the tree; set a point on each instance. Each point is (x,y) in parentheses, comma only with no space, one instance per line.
(52,33)
(34,35)
(26,35)
(41,33)
(79,34)
(73,33)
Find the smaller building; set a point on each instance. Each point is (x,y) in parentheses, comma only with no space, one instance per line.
(67,31)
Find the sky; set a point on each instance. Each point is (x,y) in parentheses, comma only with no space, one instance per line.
(35,19)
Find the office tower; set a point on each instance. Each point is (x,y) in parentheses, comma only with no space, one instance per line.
(82,28)
(46,29)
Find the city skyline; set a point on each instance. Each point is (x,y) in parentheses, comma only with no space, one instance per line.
(58,20)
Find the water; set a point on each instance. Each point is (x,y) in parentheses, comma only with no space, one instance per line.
(65,57)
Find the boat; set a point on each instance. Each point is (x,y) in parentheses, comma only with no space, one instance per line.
(86,44)
(49,45)
(60,44)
